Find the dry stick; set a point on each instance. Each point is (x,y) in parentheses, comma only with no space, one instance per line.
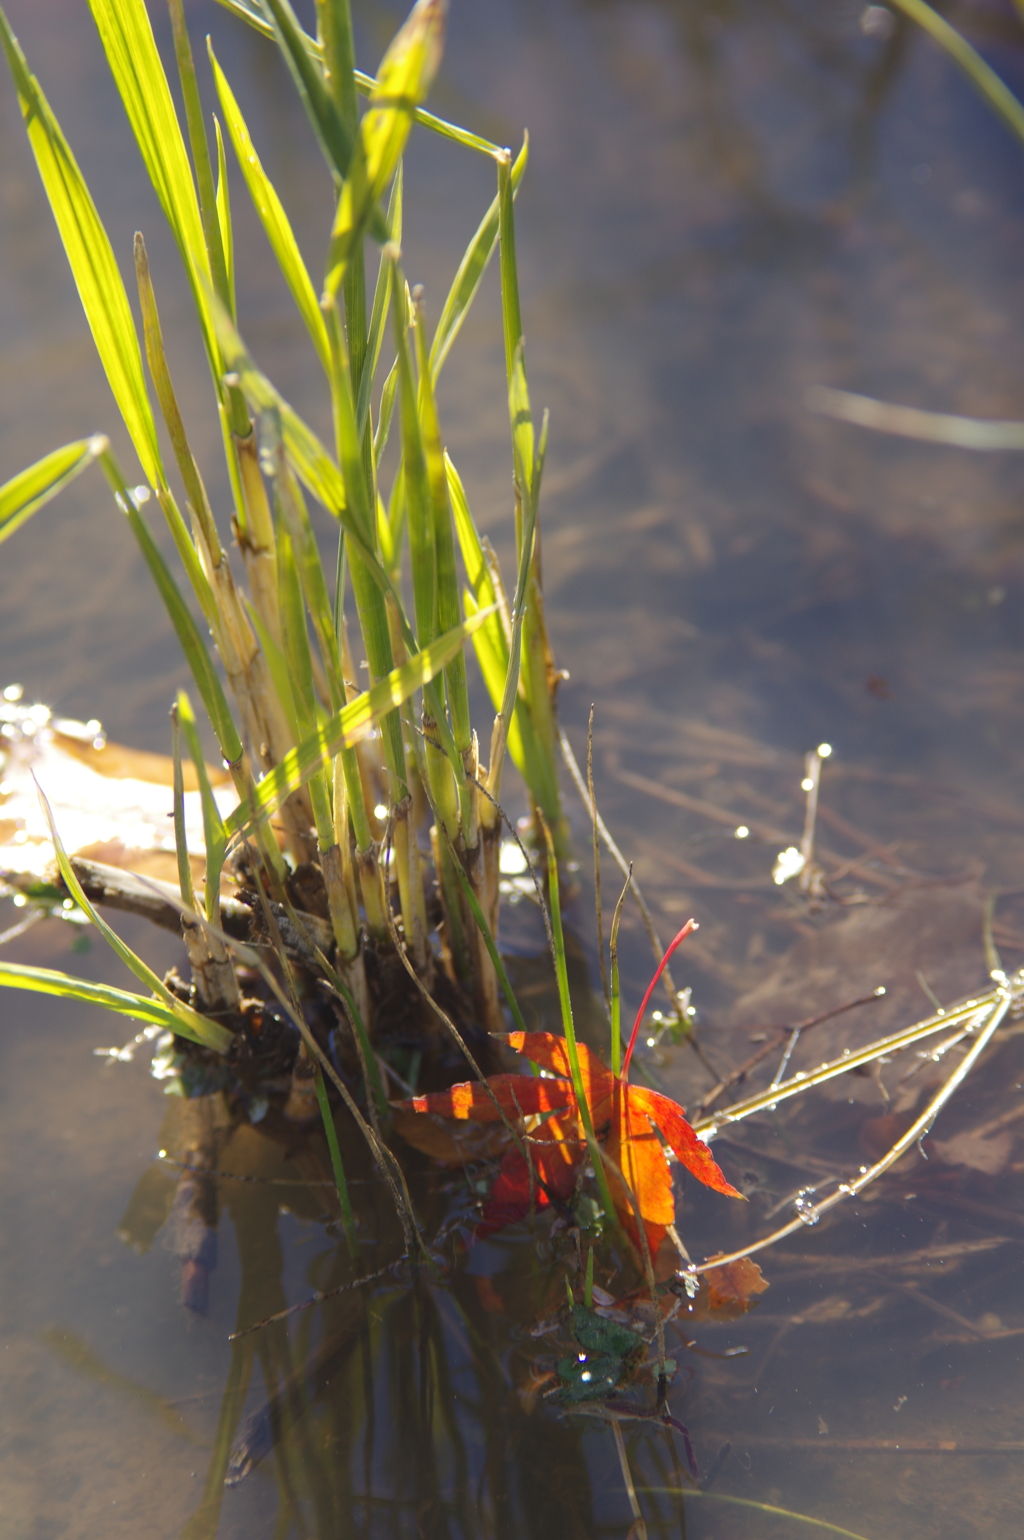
(999,1005)
(776,1042)
(659,1324)
(624,867)
(258,1181)
(811,784)
(639,1528)
(966,1015)
(872,1446)
(932,1257)
(317,1299)
(597,860)
(762,831)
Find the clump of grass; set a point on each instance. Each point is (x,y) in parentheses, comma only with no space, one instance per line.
(320,768)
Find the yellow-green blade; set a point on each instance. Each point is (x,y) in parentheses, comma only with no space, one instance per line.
(49,981)
(91,258)
(127,37)
(187,1022)
(31,488)
(273,218)
(347,727)
(403,80)
(471,270)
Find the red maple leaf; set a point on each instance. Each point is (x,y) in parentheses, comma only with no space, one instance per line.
(626,1121)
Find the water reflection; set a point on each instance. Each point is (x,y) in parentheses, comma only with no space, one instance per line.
(727,202)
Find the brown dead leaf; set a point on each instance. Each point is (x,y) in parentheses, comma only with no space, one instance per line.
(450,1144)
(118,762)
(730,1289)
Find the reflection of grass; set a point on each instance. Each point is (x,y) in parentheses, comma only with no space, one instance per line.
(749,1502)
(78,1355)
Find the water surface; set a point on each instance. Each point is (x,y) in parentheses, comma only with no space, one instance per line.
(726,203)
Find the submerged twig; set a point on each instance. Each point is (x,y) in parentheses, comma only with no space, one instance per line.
(995,1007)
(776,1042)
(639,1529)
(318,1298)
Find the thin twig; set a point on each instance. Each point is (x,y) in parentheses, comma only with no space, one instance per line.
(639,1529)
(996,1008)
(597,861)
(776,1042)
(318,1298)
(624,867)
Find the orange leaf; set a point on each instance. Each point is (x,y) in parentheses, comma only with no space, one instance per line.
(637,1151)
(516,1095)
(626,1119)
(690,1151)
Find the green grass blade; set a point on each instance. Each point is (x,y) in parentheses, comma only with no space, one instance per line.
(49,981)
(368,85)
(999,97)
(127,37)
(349,726)
(91,258)
(272,217)
(213,824)
(188,1023)
(224,216)
(527,476)
(403,80)
(31,488)
(387,407)
(489,642)
(447,581)
(249,12)
(277,667)
(471,270)
(309,567)
(511,314)
(415,485)
(334,24)
(568,1026)
(295,640)
(208,211)
(337,1165)
(185,886)
(379,309)
(307,73)
(312,463)
(195,492)
(192,644)
(366,567)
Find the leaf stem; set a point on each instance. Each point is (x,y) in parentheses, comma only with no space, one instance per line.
(688,928)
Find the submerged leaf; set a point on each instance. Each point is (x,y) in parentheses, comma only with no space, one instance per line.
(733,1287)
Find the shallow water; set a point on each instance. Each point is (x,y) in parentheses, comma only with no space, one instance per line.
(725,204)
